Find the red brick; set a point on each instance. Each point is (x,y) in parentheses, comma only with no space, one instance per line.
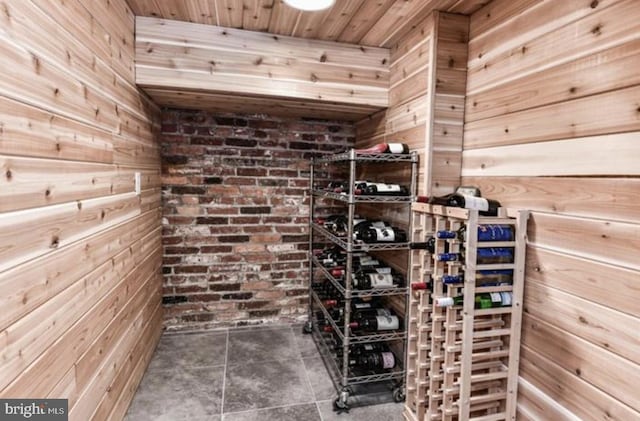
(246,182)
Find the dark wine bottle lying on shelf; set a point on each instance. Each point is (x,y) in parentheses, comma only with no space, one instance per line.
(375,361)
(397,148)
(486,207)
(483,277)
(429,245)
(384,235)
(488,232)
(376,323)
(383,189)
(377,280)
(484,256)
(484,300)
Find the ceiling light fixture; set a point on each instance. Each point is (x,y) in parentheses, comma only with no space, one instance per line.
(310,5)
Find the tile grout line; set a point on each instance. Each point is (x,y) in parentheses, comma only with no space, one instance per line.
(306,374)
(224,375)
(271,407)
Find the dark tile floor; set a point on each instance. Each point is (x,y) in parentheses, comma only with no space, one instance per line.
(266,373)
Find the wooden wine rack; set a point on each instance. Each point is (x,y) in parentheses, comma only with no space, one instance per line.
(462,362)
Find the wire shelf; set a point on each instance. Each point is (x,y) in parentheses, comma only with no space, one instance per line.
(352,155)
(378,292)
(343,197)
(342,242)
(357,339)
(330,360)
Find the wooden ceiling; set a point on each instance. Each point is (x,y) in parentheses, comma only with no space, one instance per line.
(366,22)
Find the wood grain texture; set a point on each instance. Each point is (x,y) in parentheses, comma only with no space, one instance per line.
(552,85)
(604,155)
(81,252)
(606,198)
(223,103)
(599,28)
(609,329)
(567,389)
(587,279)
(599,367)
(598,239)
(604,71)
(211,59)
(598,115)
(376,23)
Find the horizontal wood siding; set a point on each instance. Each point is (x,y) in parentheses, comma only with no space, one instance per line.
(426,100)
(80,251)
(551,125)
(184,57)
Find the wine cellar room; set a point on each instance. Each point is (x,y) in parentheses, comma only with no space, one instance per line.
(390,210)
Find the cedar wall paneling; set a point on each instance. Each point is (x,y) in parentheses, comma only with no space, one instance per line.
(80,251)
(552,125)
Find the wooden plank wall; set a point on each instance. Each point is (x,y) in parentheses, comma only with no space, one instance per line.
(80,251)
(552,123)
(283,72)
(426,101)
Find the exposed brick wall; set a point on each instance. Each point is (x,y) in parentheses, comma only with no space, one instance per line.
(236,206)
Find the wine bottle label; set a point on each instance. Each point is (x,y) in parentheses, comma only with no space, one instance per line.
(383,312)
(380,280)
(496,297)
(383,270)
(396,147)
(379,224)
(385,234)
(367,347)
(360,306)
(369,262)
(479,203)
(388,360)
(444,302)
(388,322)
(387,188)
(507,298)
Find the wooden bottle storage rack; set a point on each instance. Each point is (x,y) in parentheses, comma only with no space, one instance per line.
(462,362)
(343,378)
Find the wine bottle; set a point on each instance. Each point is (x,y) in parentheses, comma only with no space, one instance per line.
(493,255)
(488,232)
(485,300)
(448,257)
(382,189)
(375,361)
(486,207)
(364,280)
(376,323)
(416,286)
(398,148)
(452,279)
(429,245)
(384,235)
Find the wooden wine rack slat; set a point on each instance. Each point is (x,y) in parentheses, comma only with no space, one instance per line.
(462,361)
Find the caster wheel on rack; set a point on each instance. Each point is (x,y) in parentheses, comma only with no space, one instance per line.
(339,406)
(398,394)
(307,329)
